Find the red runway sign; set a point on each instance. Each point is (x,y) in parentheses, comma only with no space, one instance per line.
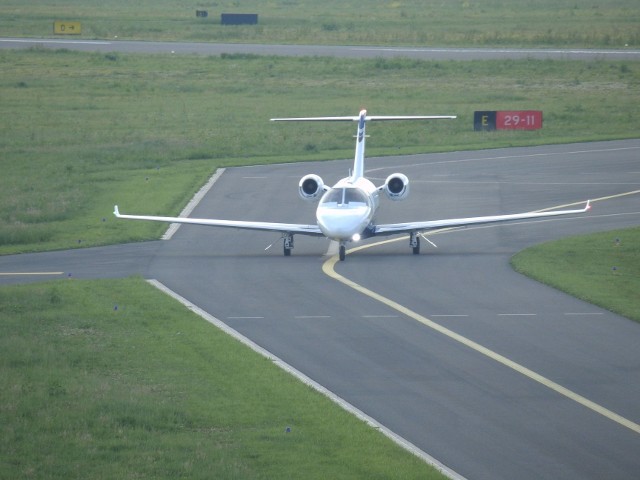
(507,120)
(519,120)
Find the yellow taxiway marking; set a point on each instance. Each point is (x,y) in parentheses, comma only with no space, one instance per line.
(601,199)
(328,269)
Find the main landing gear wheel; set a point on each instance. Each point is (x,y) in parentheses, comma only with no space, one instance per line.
(343,252)
(414,243)
(288,244)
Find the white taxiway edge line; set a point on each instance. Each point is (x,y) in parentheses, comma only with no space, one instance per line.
(30,273)
(531,51)
(197,198)
(309,382)
(584,313)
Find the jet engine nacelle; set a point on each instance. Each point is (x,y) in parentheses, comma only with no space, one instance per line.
(396,186)
(311,187)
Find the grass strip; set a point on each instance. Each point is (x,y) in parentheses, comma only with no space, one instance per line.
(112,379)
(544,23)
(84,131)
(601,268)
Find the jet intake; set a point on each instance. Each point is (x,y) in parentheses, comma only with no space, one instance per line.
(396,186)
(311,187)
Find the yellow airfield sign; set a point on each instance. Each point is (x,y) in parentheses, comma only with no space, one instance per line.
(66,28)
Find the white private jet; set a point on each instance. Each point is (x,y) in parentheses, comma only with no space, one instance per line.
(346,212)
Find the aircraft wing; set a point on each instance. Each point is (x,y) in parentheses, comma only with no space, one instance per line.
(313,230)
(393,228)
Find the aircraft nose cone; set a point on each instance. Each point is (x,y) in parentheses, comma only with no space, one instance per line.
(343,223)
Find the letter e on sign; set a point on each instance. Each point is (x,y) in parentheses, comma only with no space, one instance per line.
(484,120)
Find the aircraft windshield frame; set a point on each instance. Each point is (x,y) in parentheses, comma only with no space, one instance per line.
(345,197)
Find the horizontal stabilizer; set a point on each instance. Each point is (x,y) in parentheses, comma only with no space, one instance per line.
(367,118)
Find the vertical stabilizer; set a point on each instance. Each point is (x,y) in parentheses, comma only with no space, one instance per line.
(358,162)
(362,119)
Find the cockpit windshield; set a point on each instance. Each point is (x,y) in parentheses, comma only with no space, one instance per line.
(345,197)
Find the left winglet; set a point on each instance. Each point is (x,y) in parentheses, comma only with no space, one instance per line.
(116,212)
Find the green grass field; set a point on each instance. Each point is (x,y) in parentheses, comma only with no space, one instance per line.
(84,131)
(544,23)
(602,268)
(114,380)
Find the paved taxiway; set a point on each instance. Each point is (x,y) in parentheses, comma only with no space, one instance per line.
(363,51)
(482,418)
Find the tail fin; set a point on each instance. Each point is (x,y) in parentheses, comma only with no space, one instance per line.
(358,161)
(362,118)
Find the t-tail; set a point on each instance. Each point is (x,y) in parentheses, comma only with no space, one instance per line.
(358,162)
(362,118)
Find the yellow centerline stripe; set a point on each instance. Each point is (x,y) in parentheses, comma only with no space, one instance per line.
(601,199)
(328,267)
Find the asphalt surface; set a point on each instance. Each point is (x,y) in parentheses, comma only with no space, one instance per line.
(423,53)
(465,407)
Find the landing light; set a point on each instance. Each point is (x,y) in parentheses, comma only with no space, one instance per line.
(356,237)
